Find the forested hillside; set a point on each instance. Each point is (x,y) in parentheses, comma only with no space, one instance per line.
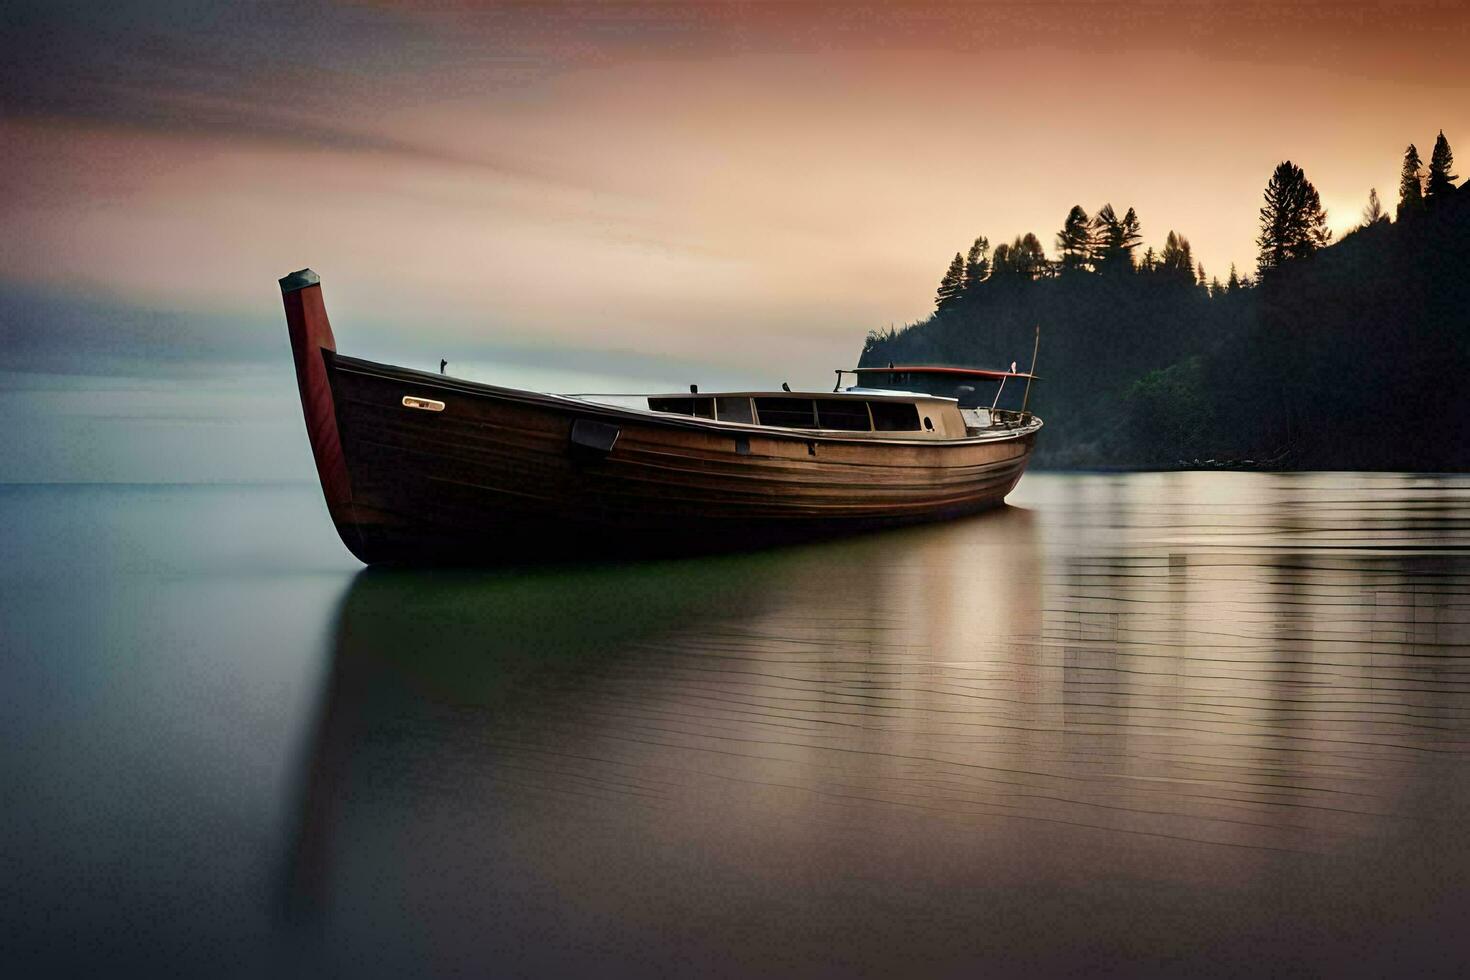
(1346,355)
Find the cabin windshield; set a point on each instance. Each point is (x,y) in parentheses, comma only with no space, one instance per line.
(845,415)
(975,389)
(786,412)
(734,409)
(703,408)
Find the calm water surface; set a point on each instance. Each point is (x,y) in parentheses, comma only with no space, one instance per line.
(1155,723)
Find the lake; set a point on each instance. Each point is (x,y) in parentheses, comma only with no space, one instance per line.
(1157,723)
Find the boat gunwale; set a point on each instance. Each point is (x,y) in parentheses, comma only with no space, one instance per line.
(569,403)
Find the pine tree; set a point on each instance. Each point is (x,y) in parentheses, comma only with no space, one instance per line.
(1115,239)
(1035,255)
(1028,258)
(1106,230)
(1149,262)
(952,286)
(1233,283)
(1001,263)
(1200,274)
(1373,213)
(1074,241)
(1177,259)
(1215,288)
(1293,224)
(1441,182)
(1411,186)
(1169,257)
(977,264)
(1132,235)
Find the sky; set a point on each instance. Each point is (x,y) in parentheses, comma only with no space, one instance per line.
(710,190)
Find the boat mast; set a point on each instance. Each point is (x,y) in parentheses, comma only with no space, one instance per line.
(1026,398)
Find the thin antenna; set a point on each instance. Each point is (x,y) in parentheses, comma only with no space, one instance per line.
(1035,348)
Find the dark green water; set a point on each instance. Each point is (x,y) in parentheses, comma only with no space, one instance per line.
(1160,724)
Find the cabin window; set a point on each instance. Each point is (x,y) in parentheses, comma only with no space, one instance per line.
(733,410)
(850,416)
(928,424)
(894,416)
(674,406)
(788,413)
(699,407)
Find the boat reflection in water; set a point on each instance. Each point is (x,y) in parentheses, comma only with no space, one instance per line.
(1108,737)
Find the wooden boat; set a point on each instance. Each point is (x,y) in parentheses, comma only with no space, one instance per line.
(419,467)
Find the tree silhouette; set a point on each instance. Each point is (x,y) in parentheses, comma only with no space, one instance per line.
(1233,283)
(1074,241)
(952,286)
(1132,235)
(1169,257)
(1411,186)
(1001,264)
(1115,239)
(1106,235)
(1373,212)
(1023,258)
(1176,259)
(1028,258)
(977,264)
(1201,274)
(1293,224)
(1441,181)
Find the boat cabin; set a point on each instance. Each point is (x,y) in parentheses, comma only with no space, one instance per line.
(903,402)
(971,387)
(854,412)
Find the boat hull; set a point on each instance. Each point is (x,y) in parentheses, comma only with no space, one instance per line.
(497,475)
(418,467)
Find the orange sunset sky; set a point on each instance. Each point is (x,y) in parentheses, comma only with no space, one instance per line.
(724,183)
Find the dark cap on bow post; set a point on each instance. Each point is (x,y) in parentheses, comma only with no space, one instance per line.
(299,280)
